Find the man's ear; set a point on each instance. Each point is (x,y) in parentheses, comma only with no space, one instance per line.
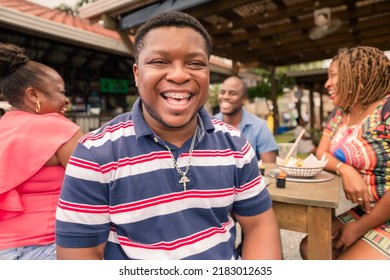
(135,72)
(244,99)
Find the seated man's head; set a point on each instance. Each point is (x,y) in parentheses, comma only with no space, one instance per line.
(232,96)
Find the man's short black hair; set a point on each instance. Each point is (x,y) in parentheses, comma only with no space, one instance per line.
(171,19)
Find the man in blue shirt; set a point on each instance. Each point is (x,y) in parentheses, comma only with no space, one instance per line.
(232,97)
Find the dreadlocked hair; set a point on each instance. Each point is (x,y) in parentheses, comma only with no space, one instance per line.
(364,76)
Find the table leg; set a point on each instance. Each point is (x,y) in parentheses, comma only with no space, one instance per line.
(319,229)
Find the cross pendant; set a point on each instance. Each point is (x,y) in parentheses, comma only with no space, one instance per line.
(184,180)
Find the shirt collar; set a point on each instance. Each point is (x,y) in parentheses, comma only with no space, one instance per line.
(141,128)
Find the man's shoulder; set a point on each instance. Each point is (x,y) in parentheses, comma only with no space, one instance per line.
(218,116)
(125,118)
(254,118)
(116,128)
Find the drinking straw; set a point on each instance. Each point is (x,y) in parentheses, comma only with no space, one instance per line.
(294,145)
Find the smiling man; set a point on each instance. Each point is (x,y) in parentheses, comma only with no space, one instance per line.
(232,98)
(161,181)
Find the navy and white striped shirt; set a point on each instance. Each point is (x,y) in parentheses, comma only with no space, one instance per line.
(121,187)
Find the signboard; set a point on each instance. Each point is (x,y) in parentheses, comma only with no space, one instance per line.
(108,85)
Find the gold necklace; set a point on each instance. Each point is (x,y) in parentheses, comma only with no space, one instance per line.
(184,179)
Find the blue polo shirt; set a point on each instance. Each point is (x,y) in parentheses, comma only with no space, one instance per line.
(121,187)
(256,131)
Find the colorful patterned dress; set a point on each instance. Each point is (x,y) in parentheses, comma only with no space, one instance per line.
(366,147)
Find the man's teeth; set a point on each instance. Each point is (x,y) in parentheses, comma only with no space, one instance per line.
(177,95)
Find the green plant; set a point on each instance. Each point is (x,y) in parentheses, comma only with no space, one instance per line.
(264,87)
(213,94)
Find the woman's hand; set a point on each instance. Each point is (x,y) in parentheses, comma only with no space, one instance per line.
(355,187)
(347,235)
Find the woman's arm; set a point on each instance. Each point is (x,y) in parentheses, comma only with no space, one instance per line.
(355,188)
(268,157)
(351,232)
(65,151)
(324,149)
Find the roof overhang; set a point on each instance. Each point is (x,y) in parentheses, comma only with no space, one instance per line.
(57,31)
(316,72)
(95,10)
(140,16)
(268,33)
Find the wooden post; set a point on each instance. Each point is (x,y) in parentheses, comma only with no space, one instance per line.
(274,100)
(321,109)
(235,68)
(311,106)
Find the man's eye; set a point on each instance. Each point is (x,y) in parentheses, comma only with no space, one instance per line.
(158,62)
(196,64)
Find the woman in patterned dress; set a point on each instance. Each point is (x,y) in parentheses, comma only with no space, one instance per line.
(356,141)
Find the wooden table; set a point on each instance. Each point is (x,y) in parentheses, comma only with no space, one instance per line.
(309,208)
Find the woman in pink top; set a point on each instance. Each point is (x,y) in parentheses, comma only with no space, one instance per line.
(36,141)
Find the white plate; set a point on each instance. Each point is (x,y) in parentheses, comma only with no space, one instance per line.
(266,180)
(322,177)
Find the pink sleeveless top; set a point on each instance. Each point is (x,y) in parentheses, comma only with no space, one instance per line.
(29,190)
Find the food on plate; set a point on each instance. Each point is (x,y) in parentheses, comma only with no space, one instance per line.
(297,167)
(310,162)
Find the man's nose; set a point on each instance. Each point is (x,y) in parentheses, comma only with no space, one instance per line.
(178,74)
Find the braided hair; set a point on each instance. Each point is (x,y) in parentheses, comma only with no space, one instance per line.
(364,76)
(18,72)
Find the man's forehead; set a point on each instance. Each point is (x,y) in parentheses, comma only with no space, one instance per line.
(163,29)
(236,84)
(160,32)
